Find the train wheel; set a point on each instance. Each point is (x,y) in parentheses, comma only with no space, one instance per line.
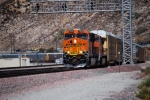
(87,63)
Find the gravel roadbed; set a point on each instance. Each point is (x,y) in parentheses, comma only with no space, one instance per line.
(89,84)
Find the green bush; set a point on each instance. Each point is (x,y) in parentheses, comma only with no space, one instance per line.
(52,50)
(142,70)
(147,83)
(41,50)
(144,87)
(144,93)
(147,70)
(143,84)
(144,90)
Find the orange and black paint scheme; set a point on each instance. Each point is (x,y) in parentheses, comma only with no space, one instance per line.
(81,48)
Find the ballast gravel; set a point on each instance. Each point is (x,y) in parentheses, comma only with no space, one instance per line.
(89,84)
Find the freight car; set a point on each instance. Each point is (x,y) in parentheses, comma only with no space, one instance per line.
(112,46)
(34,57)
(95,48)
(140,53)
(43,57)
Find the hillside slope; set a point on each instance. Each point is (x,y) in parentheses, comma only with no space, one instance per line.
(22,30)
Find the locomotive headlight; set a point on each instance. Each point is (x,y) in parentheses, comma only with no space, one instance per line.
(68,52)
(75,41)
(80,52)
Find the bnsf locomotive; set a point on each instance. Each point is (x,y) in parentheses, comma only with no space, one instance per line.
(94,48)
(82,48)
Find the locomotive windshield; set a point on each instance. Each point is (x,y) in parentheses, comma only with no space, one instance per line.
(96,38)
(68,36)
(83,36)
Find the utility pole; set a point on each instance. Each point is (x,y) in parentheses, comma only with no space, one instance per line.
(127,31)
(10,40)
(56,41)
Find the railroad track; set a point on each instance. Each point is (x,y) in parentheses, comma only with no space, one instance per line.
(30,70)
(19,71)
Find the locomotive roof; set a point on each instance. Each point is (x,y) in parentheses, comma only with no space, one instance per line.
(103,33)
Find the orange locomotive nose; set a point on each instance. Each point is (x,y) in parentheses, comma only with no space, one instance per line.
(75,45)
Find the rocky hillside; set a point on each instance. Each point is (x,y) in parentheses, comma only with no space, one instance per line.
(22,30)
(142,21)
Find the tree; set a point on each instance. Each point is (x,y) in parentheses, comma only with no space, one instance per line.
(51,50)
(42,50)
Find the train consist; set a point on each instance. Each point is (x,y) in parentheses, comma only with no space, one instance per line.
(95,48)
